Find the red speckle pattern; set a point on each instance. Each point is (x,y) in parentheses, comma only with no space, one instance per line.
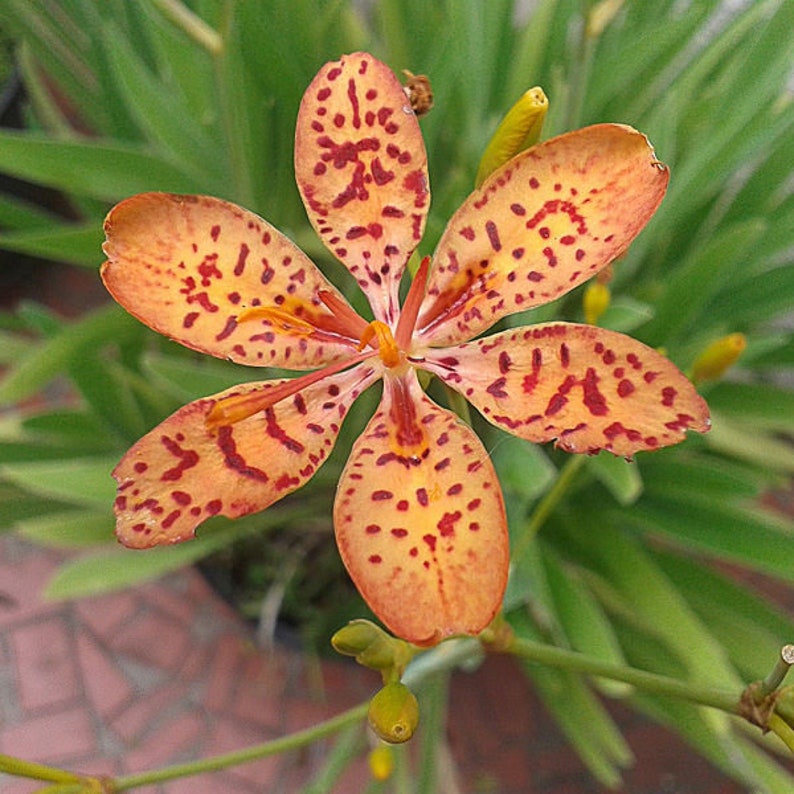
(170,481)
(361,168)
(187,266)
(528,236)
(583,386)
(441,545)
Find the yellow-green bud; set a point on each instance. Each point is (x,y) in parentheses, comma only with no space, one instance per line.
(595,301)
(370,644)
(381,762)
(718,357)
(518,130)
(394,713)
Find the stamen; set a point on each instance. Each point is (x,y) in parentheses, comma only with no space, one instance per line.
(387,347)
(352,321)
(410,310)
(278,318)
(236,407)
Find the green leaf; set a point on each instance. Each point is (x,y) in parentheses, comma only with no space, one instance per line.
(761,405)
(102,169)
(59,242)
(188,377)
(746,442)
(77,481)
(731,609)
(583,620)
(68,529)
(727,530)
(106,571)
(621,477)
(54,355)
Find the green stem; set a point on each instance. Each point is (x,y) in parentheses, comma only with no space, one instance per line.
(16,766)
(546,505)
(283,744)
(653,683)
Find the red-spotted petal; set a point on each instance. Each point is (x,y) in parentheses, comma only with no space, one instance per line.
(539,226)
(187,470)
(420,521)
(587,387)
(189,266)
(361,167)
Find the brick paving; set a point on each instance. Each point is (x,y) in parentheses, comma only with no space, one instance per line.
(166,673)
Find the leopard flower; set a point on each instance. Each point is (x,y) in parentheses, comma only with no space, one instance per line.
(419,515)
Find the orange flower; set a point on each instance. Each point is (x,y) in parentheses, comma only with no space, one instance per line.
(419,514)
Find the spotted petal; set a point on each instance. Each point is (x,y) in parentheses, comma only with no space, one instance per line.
(188,266)
(539,226)
(187,470)
(587,387)
(420,521)
(361,167)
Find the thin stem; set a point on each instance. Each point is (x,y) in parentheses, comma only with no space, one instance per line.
(29,769)
(284,743)
(547,504)
(775,678)
(653,683)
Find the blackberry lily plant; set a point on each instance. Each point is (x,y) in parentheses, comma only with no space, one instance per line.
(419,514)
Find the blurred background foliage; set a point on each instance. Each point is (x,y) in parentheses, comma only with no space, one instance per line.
(647,563)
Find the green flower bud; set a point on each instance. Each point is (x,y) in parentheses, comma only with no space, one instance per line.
(370,644)
(394,713)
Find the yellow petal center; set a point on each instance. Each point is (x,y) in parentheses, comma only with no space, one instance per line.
(387,348)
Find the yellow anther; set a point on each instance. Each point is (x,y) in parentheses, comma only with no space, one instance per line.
(381,762)
(278,318)
(387,348)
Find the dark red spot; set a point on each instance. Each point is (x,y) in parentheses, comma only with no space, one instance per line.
(399,532)
(474,504)
(187,459)
(190,318)
(323,93)
(453,490)
(504,362)
(140,467)
(402,505)
(668,396)
(493,235)
(431,541)
(213,507)
(446,526)
(381,496)
(625,388)
(533,183)
(375,559)
(181,498)
(421,497)
(372,529)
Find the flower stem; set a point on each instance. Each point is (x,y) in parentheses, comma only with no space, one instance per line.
(546,506)
(653,683)
(280,745)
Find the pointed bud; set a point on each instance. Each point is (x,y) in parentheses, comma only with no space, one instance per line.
(595,301)
(381,762)
(370,644)
(519,130)
(394,713)
(718,357)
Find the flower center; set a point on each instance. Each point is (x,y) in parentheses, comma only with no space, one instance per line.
(387,348)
